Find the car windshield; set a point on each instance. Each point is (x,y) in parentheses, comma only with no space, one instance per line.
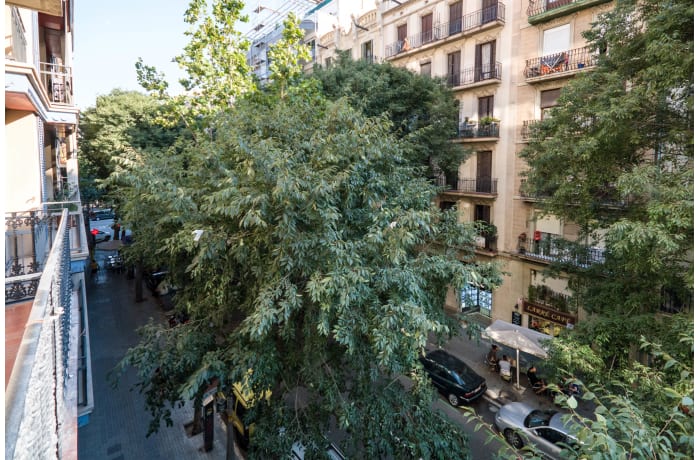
(538,418)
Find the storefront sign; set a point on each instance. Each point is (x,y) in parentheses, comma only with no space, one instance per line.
(516,318)
(554,316)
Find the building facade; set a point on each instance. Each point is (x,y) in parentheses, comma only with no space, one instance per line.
(47,361)
(506,63)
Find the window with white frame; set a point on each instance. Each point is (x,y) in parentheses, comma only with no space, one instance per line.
(556,40)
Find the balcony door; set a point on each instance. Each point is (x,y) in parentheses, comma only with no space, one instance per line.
(453,65)
(484,65)
(489,11)
(483,172)
(456,18)
(426,29)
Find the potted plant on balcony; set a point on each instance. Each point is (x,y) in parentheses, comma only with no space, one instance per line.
(488,126)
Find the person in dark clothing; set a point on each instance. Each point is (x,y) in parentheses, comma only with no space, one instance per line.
(538,384)
(492,357)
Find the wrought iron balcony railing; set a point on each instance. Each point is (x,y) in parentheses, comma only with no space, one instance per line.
(58,81)
(558,7)
(486,185)
(43,405)
(444,30)
(525,130)
(572,60)
(28,242)
(560,250)
(475,75)
(476,130)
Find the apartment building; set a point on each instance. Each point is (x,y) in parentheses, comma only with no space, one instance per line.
(47,360)
(506,63)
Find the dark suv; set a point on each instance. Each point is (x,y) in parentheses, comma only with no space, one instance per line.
(453,378)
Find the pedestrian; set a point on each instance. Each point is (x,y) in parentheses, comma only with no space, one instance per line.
(538,384)
(504,366)
(492,357)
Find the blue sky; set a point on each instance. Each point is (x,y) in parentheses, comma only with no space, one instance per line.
(111,36)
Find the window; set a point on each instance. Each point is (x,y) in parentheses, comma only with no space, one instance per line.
(473,298)
(401,32)
(455,18)
(445,205)
(426,29)
(483,172)
(489,11)
(367,52)
(482,212)
(485,107)
(556,40)
(548,99)
(329,62)
(484,66)
(453,64)
(425,69)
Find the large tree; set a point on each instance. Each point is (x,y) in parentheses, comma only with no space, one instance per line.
(311,259)
(616,157)
(422,110)
(118,122)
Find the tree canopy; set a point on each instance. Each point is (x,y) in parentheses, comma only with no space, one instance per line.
(422,110)
(319,267)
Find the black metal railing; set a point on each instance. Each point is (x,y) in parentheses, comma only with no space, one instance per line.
(545,295)
(526,129)
(442,31)
(18,49)
(565,61)
(543,6)
(553,249)
(475,75)
(487,185)
(469,130)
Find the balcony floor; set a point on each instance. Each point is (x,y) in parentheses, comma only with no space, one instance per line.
(16,316)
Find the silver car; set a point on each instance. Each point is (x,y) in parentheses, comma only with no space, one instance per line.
(548,431)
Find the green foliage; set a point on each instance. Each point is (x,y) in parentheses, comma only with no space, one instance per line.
(119,122)
(310,267)
(422,110)
(616,157)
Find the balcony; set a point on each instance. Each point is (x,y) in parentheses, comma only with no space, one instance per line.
(474,75)
(559,250)
(58,81)
(41,351)
(28,239)
(559,65)
(467,24)
(526,129)
(539,11)
(17,51)
(480,186)
(478,130)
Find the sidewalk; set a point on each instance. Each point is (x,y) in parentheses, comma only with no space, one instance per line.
(117,427)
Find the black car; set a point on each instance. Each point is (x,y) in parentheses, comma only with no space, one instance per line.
(453,378)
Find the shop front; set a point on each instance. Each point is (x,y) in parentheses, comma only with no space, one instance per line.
(547,320)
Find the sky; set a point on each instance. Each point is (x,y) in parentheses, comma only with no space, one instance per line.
(109,37)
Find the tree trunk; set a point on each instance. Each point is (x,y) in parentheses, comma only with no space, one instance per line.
(230,442)
(197,422)
(138,288)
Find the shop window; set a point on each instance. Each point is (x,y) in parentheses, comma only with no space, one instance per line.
(473,298)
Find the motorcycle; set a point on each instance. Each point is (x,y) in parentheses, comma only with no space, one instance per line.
(115,262)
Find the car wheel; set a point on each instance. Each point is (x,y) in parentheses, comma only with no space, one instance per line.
(513,439)
(453,400)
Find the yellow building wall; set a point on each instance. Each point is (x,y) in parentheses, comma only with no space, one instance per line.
(21,169)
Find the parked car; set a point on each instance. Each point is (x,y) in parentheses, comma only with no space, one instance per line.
(453,378)
(101,236)
(547,430)
(156,282)
(102,215)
